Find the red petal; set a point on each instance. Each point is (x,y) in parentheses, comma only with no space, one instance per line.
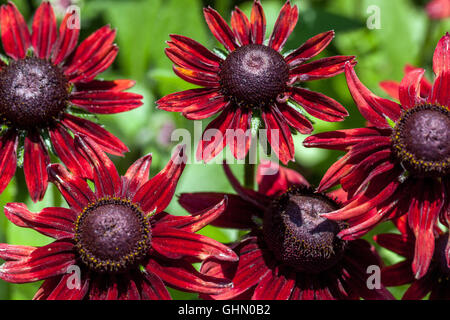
(106,178)
(295,119)
(274,287)
(440,93)
(15,34)
(102,85)
(398,274)
(319,105)
(63,292)
(103,138)
(343,139)
(278,134)
(258,23)
(156,194)
(184,277)
(137,175)
(419,288)
(64,146)
(373,108)
(322,68)
(35,163)
(195,98)
(53,222)
(239,136)
(10,252)
(441,57)
(310,48)
(200,78)
(273,179)
(8,158)
(284,26)
(201,217)
(68,38)
(106,102)
(220,29)
(178,244)
(185,59)
(74,189)
(206,110)
(195,51)
(44,31)
(409,90)
(391,88)
(152,288)
(44,262)
(241,27)
(238,213)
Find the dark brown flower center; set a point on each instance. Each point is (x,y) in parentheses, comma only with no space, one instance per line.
(32,92)
(421,140)
(112,235)
(298,236)
(254,75)
(440,256)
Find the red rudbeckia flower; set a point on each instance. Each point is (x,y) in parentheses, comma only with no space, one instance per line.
(120,239)
(435,281)
(400,163)
(253,79)
(295,254)
(438,9)
(45,79)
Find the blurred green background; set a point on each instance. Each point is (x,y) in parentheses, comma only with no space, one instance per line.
(406,36)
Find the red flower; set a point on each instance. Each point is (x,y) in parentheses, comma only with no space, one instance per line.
(254,79)
(46,79)
(436,280)
(390,171)
(119,237)
(296,254)
(438,9)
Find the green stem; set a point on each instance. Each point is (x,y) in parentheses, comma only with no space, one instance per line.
(249,175)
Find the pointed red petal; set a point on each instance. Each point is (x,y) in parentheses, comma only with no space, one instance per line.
(68,38)
(285,24)
(136,176)
(8,158)
(409,90)
(220,29)
(258,23)
(35,163)
(14,30)
(44,31)
(106,102)
(310,48)
(241,27)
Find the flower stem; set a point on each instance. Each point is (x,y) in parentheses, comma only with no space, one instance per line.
(249,175)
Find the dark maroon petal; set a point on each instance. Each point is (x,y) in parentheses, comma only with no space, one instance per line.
(103,85)
(295,119)
(319,105)
(44,262)
(258,23)
(241,27)
(8,158)
(278,135)
(259,200)
(200,78)
(65,149)
(285,24)
(343,139)
(15,35)
(310,48)
(207,109)
(187,61)
(195,52)
(220,29)
(391,88)
(53,222)
(322,68)
(35,161)
(396,243)
(156,194)
(441,57)
(214,137)
(106,178)
(44,31)
(10,252)
(200,218)
(440,91)
(103,138)
(106,102)
(74,189)
(93,56)
(426,203)
(152,288)
(179,244)
(274,287)
(239,137)
(397,274)
(64,292)
(195,98)
(250,271)
(409,90)
(419,288)
(137,175)
(373,108)
(68,38)
(274,180)
(183,276)
(238,213)
(131,291)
